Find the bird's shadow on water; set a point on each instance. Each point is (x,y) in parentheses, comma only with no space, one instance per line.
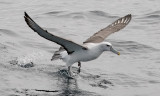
(65,86)
(68,85)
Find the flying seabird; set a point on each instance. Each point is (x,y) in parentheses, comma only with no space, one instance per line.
(71,52)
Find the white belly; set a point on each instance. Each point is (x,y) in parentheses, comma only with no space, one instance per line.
(82,55)
(85,55)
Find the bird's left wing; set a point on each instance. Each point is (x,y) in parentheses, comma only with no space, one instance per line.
(114,27)
(68,45)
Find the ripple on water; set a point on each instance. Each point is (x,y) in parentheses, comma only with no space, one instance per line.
(8,32)
(128,47)
(81,15)
(152,18)
(55,12)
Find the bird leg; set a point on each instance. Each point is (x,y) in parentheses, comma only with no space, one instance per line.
(69,71)
(79,69)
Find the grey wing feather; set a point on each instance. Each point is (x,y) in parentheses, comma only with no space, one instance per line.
(114,27)
(68,45)
(57,54)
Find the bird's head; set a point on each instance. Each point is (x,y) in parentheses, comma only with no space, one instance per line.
(108,47)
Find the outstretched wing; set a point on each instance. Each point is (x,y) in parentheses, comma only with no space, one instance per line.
(68,45)
(114,27)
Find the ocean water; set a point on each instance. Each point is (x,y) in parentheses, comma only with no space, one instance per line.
(25,66)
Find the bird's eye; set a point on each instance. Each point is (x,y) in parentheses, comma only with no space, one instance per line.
(107,45)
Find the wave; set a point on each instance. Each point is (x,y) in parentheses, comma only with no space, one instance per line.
(80,15)
(150,18)
(8,32)
(102,14)
(132,47)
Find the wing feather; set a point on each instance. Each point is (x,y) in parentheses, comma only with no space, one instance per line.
(68,45)
(114,27)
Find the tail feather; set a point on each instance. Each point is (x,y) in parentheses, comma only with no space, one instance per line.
(57,54)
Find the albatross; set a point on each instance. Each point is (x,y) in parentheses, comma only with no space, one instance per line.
(71,52)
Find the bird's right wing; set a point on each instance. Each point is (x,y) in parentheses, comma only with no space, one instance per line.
(68,45)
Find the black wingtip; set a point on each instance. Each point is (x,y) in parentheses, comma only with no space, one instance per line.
(129,15)
(25,14)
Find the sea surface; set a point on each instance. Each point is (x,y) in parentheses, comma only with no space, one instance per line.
(26,68)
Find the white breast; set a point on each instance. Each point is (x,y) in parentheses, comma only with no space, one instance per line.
(86,55)
(94,50)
